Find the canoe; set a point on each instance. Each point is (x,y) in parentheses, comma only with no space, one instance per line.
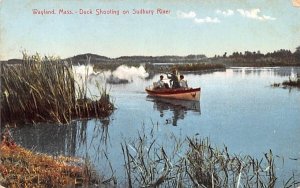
(191,94)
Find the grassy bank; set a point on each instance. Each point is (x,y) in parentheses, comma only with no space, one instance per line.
(43,89)
(244,62)
(184,67)
(20,167)
(158,68)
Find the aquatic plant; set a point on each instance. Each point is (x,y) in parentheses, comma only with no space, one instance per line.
(289,83)
(275,84)
(293,83)
(194,162)
(43,89)
(197,66)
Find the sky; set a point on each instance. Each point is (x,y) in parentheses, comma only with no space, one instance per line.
(210,27)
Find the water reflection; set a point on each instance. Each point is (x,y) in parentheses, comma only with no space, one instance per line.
(47,138)
(178,107)
(269,71)
(76,137)
(93,131)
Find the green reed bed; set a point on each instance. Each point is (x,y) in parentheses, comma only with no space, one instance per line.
(292,83)
(194,162)
(43,89)
(198,66)
(289,83)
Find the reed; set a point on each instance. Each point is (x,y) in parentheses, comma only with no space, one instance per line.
(194,162)
(43,89)
(295,82)
(292,82)
(198,66)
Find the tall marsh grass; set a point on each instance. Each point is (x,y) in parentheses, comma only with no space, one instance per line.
(292,82)
(43,89)
(195,162)
(197,67)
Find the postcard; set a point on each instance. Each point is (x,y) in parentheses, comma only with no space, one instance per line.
(150,93)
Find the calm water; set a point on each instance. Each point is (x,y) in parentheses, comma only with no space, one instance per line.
(238,108)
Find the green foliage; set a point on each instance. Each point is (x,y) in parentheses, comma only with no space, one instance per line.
(297,53)
(197,66)
(293,83)
(43,89)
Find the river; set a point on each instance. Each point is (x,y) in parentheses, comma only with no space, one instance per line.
(238,108)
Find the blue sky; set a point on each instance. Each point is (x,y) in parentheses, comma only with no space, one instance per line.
(192,27)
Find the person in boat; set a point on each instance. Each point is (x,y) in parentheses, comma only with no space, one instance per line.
(160,83)
(182,82)
(174,82)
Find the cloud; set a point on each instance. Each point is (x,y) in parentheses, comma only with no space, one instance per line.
(192,15)
(207,20)
(189,15)
(227,12)
(268,17)
(254,14)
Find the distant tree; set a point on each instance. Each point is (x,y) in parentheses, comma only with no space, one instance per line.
(235,55)
(268,54)
(259,54)
(247,54)
(297,54)
(225,54)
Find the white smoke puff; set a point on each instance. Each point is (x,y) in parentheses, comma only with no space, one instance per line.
(83,70)
(130,73)
(122,74)
(82,74)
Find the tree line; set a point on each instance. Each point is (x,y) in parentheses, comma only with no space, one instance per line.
(281,54)
(256,58)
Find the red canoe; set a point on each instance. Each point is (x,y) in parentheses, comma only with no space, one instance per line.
(191,94)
